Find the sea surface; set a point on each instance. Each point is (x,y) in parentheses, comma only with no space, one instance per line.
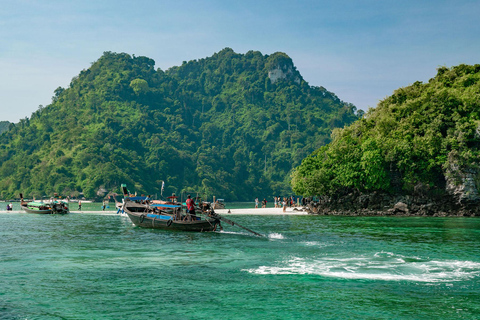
(97,265)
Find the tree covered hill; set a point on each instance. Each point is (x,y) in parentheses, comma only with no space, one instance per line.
(425,138)
(231,125)
(4,125)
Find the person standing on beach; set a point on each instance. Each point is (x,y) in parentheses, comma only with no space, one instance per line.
(256,202)
(275,202)
(264,203)
(284,204)
(79,205)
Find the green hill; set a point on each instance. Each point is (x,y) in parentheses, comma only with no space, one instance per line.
(231,125)
(4,125)
(424,139)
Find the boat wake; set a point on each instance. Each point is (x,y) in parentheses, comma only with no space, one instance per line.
(275,236)
(380,266)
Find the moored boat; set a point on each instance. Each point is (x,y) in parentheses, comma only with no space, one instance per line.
(58,207)
(219,204)
(49,207)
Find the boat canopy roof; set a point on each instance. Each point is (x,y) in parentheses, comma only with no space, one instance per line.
(166,205)
(44,203)
(37,204)
(136,198)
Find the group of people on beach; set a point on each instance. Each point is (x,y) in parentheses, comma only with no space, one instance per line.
(278,202)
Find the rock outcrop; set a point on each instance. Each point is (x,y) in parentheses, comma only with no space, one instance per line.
(383,204)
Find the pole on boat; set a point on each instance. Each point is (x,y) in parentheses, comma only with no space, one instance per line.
(230,222)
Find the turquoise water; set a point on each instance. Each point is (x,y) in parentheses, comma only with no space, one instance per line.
(97,206)
(99,266)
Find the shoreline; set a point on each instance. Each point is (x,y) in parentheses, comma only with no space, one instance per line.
(247,211)
(261,211)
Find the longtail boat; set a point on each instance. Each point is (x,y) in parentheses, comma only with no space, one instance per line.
(168,216)
(172,215)
(48,207)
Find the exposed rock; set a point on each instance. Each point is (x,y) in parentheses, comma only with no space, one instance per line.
(278,73)
(101,192)
(462,183)
(383,204)
(401,207)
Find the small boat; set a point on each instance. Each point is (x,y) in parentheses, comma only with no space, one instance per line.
(172,215)
(169,216)
(219,204)
(59,207)
(50,207)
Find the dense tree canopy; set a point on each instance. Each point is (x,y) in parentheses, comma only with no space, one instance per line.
(4,125)
(418,136)
(217,125)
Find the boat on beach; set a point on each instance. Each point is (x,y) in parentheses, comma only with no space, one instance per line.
(219,204)
(45,207)
(54,207)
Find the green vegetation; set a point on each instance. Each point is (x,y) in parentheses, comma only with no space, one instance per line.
(4,125)
(217,125)
(420,136)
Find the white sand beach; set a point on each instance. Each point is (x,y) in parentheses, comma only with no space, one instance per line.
(261,211)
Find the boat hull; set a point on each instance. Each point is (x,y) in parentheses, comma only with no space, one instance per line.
(152,222)
(148,219)
(54,210)
(28,210)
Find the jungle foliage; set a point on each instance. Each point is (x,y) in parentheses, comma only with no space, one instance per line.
(4,125)
(419,136)
(216,125)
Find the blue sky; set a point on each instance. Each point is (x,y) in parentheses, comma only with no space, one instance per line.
(360,50)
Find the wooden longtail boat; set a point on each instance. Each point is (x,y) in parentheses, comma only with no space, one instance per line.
(49,207)
(168,216)
(59,207)
(171,215)
(219,204)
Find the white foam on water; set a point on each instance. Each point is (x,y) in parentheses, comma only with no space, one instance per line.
(385,266)
(276,236)
(234,232)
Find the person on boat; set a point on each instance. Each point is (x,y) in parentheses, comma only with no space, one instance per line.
(191,207)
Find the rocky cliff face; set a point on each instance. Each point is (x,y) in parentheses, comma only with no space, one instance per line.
(467,189)
(383,204)
(282,73)
(461,198)
(280,66)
